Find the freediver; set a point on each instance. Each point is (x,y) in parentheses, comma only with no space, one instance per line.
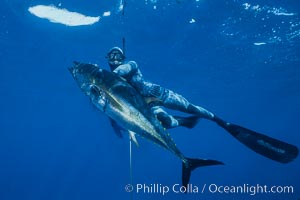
(270,147)
(267,146)
(164,97)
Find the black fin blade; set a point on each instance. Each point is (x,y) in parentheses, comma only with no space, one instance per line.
(192,164)
(269,147)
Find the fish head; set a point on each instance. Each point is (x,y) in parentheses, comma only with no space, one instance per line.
(86,75)
(90,80)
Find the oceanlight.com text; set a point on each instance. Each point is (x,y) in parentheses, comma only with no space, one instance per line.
(248,189)
(252,190)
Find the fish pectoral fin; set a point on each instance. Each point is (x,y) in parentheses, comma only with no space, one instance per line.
(133,138)
(117,128)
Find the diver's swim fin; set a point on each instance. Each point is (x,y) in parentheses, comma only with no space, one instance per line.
(192,164)
(269,147)
(188,122)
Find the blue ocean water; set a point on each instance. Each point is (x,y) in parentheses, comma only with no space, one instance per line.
(239,59)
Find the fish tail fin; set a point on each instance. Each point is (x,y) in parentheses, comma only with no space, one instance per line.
(191,164)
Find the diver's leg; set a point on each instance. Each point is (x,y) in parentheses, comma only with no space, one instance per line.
(168,121)
(175,101)
(172,100)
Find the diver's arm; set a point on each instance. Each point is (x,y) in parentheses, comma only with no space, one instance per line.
(125,69)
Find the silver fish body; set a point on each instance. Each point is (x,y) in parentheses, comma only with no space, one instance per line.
(116,98)
(121,102)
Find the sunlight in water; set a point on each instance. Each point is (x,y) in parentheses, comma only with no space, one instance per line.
(62,16)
